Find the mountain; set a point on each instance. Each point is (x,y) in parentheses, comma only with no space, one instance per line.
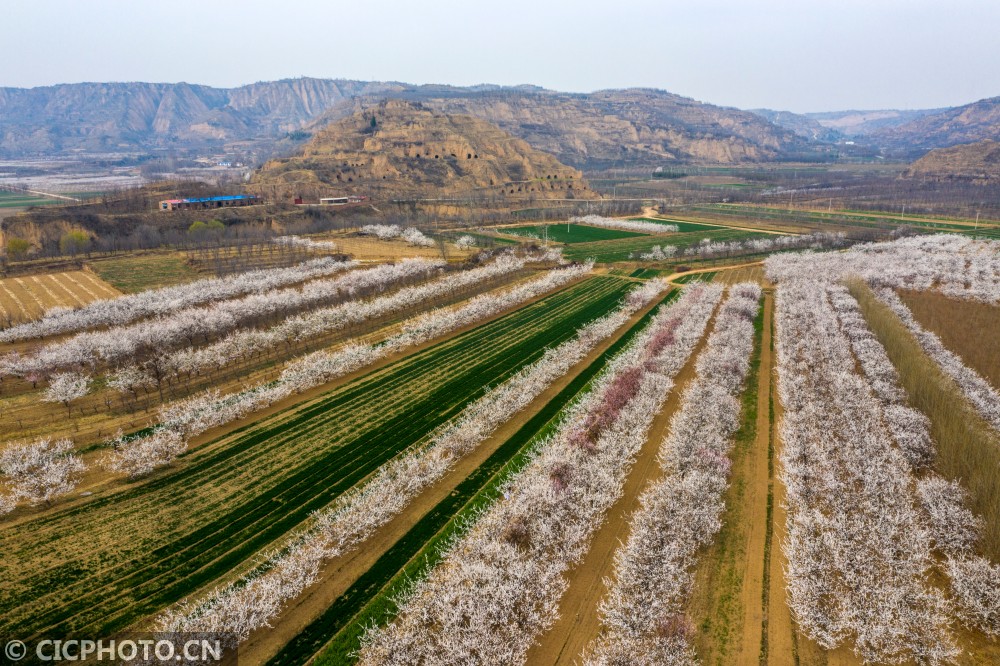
(604,128)
(121,117)
(862,123)
(599,128)
(399,150)
(962,124)
(977,162)
(801,124)
(836,126)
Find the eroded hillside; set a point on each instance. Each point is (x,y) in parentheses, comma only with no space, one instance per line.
(399,149)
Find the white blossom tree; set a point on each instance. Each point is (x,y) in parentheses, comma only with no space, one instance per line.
(65,387)
(40,471)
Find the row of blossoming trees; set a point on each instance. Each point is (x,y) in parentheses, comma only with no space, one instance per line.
(642,615)
(499,584)
(191,325)
(708,248)
(187,418)
(180,421)
(411,235)
(250,603)
(126,309)
(137,455)
(626,225)
(870,524)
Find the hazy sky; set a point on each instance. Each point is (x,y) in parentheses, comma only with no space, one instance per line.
(800,55)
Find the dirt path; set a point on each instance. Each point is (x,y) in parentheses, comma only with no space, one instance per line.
(340,573)
(579,620)
(721,225)
(758,474)
(728,603)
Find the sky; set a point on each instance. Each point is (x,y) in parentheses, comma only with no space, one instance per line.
(796,55)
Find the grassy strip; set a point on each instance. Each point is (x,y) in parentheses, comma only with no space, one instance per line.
(371,599)
(968,450)
(572,233)
(715,604)
(696,277)
(620,250)
(765,600)
(129,585)
(849,218)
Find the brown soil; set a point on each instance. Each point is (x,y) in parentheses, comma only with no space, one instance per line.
(734,275)
(340,573)
(974,340)
(579,622)
(27,297)
(366,248)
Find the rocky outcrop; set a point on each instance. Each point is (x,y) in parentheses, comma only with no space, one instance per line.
(404,150)
(611,126)
(977,162)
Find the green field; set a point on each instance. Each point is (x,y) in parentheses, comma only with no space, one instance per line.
(121,556)
(620,250)
(682,226)
(23,200)
(696,277)
(845,218)
(138,273)
(335,634)
(572,233)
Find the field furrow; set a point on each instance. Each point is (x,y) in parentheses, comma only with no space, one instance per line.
(335,632)
(251,488)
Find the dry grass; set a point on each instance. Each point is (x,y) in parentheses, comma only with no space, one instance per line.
(968,450)
(743,274)
(974,339)
(25,298)
(365,248)
(139,272)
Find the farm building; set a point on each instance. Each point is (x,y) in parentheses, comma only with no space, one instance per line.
(228,201)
